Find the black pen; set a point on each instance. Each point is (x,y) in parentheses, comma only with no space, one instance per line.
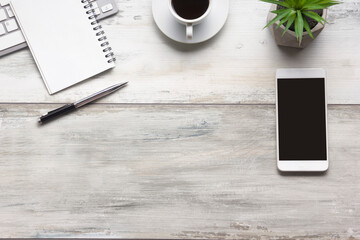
(73,106)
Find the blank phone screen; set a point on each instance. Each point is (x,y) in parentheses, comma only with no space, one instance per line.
(302,119)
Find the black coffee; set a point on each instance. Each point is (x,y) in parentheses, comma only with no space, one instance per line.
(190,9)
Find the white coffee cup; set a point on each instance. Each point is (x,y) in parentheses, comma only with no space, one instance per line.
(189,23)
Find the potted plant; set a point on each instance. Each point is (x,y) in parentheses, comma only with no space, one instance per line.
(296,23)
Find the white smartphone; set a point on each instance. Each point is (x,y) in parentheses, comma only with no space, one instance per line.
(301,116)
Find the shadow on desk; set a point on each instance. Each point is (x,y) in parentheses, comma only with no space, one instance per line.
(303,174)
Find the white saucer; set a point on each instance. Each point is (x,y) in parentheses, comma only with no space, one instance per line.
(202,32)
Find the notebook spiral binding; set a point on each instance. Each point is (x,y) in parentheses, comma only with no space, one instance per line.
(100,33)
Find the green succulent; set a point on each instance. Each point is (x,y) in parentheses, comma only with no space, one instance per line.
(295,11)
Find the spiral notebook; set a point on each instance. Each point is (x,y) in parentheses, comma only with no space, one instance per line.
(66,41)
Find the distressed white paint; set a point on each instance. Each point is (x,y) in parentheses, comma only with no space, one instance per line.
(236,66)
(171,172)
(184,170)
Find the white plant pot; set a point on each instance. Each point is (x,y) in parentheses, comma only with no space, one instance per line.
(289,38)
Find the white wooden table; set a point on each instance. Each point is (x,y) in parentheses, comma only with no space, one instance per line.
(187,150)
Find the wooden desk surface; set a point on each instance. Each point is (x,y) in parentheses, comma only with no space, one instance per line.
(188,149)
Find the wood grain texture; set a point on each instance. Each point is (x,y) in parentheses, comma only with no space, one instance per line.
(171,171)
(179,153)
(237,66)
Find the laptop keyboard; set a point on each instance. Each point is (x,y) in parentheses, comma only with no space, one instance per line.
(10,33)
(11,38)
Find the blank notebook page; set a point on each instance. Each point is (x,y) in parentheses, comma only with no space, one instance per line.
(62,40)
